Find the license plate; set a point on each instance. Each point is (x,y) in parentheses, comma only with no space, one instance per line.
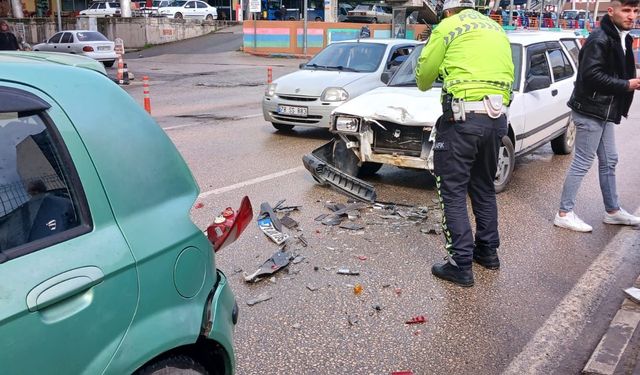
(292,110)
(103,48)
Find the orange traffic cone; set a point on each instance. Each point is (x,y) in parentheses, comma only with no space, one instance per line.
(120,76)
(147,100)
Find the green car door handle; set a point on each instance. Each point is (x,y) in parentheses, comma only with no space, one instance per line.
(63,286)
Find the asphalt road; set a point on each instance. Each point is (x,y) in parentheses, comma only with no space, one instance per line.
(542,312)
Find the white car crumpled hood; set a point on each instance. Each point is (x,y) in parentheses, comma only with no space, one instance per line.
(313,82)
(400,105)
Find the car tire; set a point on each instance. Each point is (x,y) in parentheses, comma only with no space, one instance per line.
(318,19)
(375,20)
(282,127)
(564,143)
(178,16)
(344,159)
(109,64)
(506,164)
(178,364)
(369,168)
(209,17)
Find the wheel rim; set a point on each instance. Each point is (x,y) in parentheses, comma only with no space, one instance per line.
(178,16)
(209,17)
(571,133)
(504,164)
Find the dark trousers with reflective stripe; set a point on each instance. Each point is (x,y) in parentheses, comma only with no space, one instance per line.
(465,162)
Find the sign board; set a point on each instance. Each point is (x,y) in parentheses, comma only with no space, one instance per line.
(255,6)
(119,47)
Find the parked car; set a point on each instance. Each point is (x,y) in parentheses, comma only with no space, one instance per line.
(343,10)
(81,42)
(154,8)
(102,270)
(102,9)
(341,71)
(393,124)
(370,13)
(190,9)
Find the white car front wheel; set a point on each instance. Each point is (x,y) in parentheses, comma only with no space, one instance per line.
(506,163)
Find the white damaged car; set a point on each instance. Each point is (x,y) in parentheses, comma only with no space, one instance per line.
(392,124)
(341,71)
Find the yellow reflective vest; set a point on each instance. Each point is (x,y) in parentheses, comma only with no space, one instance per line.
(472,55)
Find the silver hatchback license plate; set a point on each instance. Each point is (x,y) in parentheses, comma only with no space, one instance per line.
(103,48)
(292,110)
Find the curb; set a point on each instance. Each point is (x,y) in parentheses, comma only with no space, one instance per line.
(609,352)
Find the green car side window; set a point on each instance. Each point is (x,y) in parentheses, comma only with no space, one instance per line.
(37,200)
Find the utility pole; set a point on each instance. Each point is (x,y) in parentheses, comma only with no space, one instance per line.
(304,34)
(125,7)
(16,9)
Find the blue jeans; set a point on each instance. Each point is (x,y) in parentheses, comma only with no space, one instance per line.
(593,137)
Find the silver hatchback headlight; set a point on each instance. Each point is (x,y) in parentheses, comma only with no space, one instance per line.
(334,94)
(270,91)
(347,124)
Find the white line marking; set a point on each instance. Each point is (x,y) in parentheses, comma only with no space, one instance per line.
(182,126)
(250,182)
(543,353)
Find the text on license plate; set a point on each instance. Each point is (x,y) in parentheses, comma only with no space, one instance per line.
(103,48)
(292,110)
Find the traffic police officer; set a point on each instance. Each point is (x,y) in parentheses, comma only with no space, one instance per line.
(472,55)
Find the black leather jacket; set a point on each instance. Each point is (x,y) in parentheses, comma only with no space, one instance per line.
(601,88)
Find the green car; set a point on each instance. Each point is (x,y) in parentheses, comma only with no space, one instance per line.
(102,270)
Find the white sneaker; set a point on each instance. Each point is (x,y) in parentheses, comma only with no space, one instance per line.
(571,221)
(621,217)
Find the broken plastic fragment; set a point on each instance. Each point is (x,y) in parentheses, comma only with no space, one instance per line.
(321,217)
(357,289)
(260,298)
(288,222)
(332,220)
(417,320)
(346,271)
(312,287)
(298,259)
(352,226)
(278,261)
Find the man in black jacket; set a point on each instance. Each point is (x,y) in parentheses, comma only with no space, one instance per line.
(602,95)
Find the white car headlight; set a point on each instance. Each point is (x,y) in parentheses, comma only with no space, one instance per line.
(347,124)
(334,94)
(270,91)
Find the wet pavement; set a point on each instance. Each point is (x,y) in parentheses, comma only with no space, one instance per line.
(314,323)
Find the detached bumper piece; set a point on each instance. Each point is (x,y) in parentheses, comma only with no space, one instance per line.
(320,163)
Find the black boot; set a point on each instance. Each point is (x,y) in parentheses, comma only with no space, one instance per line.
(486,257)
(449,272)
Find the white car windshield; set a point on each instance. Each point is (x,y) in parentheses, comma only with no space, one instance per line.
(351,56)
(406,73)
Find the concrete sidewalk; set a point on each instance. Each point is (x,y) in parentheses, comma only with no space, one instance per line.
(619,349)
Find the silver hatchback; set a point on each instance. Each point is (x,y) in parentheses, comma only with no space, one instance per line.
(341,71)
